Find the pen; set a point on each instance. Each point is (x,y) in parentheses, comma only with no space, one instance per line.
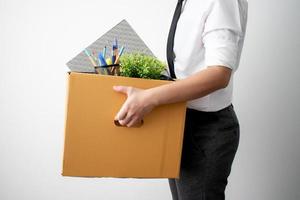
(114,51)
(99,60)
(90,57)
(113,58)
(102,60)
(120,54)
(116,47)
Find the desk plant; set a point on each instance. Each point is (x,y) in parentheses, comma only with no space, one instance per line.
(139,65)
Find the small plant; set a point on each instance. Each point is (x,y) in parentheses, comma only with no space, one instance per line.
(141,66)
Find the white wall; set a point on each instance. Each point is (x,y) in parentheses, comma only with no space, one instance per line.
(38,37)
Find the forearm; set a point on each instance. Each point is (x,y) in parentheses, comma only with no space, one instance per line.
(193,87)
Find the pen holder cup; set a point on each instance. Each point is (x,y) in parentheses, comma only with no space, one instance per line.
(108,70)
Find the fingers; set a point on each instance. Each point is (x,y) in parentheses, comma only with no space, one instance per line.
(130,120)
(135,122)
(122,89)
(122,112)
(125,115)
(125,121)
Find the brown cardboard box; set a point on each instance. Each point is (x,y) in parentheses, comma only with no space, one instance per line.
(96,147)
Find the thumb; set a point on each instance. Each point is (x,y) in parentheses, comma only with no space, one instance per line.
(120,88)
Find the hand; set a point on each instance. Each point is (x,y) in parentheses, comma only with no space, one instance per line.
(136,106)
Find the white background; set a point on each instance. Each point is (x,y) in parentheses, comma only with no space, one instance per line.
(38,37)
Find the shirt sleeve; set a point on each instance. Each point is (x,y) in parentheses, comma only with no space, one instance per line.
(222,33)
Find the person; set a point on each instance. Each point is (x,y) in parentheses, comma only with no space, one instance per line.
(203,55)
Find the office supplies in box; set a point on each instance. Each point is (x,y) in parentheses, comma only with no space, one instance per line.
(97,147)
(126,36)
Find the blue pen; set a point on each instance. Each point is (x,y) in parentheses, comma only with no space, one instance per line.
(102,60)
(113,57)
(114,51)
(99,61)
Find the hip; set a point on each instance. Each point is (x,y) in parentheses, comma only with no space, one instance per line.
(209,132)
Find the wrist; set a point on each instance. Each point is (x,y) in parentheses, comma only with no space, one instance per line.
(152,97)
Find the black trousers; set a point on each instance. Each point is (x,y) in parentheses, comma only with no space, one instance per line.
(209,146)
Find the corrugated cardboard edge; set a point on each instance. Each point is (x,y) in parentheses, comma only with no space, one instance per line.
(181,144)
(66,116)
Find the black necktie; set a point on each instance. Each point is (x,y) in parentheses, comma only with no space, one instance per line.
(170,44)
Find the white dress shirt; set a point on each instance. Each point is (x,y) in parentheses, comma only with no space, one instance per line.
(210,32)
